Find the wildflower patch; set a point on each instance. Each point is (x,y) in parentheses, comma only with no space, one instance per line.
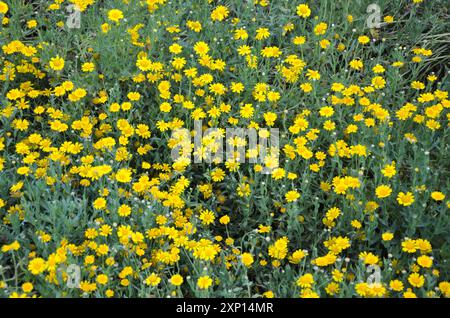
(230,149)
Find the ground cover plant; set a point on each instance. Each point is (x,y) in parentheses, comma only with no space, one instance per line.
(353,202)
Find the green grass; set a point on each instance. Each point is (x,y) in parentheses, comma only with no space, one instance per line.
(64,209)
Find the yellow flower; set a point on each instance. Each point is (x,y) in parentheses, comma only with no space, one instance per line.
(207,217)
(425,261)
(303,10)
(437,196)
(195,26)
(271,51)
(3,7)
(105,27)
(396,285)
(175,48)
(444,287)
(176,280)
(387,236)
(31,24)
(356,64)
(99,203)
(409,246)
(268,294)
(308,293)
(383,191)
(88,67)
(416,280)
(153,280)
(356,224)
(378,82)
(369,258)
(388,19)
(279,250)
(204,282)
(405,199)
(220,13)
(102,279)
(124,210)
(409,294)
(313,75)
(14,246)
(201,48)
(321,28)
(247,259)
(292,196)
(115,15)
(332,288)
(224,220)
(27,287)
(389,170)
(124,175)
(363,39)
(56,63)
(37,266)
(305,281)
